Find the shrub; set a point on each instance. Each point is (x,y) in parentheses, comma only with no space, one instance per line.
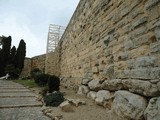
(35,72)
(42,79)
(53,83)
(54,99)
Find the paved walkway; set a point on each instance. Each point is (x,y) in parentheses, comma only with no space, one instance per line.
(18,103)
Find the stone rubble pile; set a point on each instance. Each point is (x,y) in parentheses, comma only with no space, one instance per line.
(66,106)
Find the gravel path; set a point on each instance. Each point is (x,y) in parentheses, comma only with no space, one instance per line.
(19,103)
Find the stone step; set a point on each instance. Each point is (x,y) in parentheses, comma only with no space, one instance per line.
(25,94)
(21,105)
(19,102)
(13,90)
(12,86)
(22,113)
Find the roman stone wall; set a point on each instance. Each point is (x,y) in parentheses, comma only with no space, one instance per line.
(32,63)
(27,68)
(38,62)
(111,39)
(113,47)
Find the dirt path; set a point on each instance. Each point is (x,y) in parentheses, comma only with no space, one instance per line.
(90,111)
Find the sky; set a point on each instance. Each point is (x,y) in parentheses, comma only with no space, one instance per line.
(29,20)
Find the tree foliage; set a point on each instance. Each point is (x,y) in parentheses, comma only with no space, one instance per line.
(11,61)
(4,53)
(20,55)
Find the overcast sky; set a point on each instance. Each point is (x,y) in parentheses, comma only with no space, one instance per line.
(30,19)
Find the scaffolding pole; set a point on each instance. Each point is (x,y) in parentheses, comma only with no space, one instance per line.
(54,35)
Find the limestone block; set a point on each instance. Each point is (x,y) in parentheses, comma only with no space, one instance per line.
(109,71)
(141,40)
(151,3)
(152,9)
(85,81)
(129,105)
(126,29)
(141,87)
(138,31)
(102,96)
(157,33)
(92,95)
(158,85)
(122,74)
(145,61)
(83,90)
(141,51)
(140,73)
(125,11)
(94,85)
(155,73)
(140,21)
(152,111)
(112,85)
(155,47)
(128,45)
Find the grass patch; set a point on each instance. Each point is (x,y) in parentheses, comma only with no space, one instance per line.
(27,83)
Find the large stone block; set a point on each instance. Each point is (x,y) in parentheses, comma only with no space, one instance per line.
(140,21)
(85,81)
(109,71)
(141,87)
(94,85)
(155,47)
(102,96)
(157,33)
(152,111)
(129,105)
(112,85)
(140,51)
(146,61)
(129,45)
(155,73)
(151,3)
(140,73)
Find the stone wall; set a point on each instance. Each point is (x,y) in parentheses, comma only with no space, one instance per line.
(27,68)
(32,63)
(112,48)
(38,62)
(111,39)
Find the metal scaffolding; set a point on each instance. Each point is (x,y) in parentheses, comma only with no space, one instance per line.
(54,35)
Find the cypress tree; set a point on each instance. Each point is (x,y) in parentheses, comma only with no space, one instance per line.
(20,55)
(12,55)
(4,53)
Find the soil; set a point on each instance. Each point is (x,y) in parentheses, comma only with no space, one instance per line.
(90,111)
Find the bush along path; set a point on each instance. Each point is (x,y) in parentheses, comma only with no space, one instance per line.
(19,103)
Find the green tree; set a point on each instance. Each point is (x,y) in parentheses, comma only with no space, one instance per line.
(20,55)
(4,53)
(12,55)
